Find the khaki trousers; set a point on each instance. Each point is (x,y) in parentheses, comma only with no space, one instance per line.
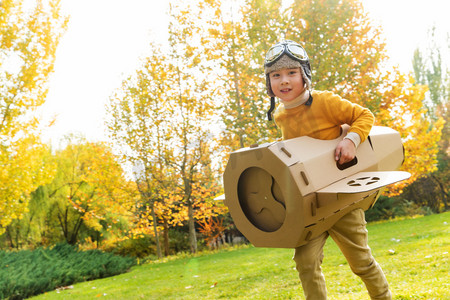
(350,234)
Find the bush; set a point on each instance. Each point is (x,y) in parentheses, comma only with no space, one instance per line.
(26,273)
(140,247)
(179,240)
(387,208)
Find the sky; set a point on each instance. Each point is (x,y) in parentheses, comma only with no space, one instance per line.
(103,45)
(106,39)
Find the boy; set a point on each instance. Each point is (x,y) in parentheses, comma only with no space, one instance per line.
(317,114)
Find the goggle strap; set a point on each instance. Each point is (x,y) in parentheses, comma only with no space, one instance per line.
(272,107)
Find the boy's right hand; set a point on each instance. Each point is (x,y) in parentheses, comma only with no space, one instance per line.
(345,151)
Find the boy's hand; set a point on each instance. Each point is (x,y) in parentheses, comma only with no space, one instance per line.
(345,151)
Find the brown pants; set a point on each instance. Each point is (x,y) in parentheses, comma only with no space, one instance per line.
(350,234)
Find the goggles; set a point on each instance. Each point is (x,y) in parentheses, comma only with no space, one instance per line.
(292,49)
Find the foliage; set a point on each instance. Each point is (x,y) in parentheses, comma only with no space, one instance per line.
(138,118)
(137,247)
(387,208)
(346,51)
(430,70)
(88,201)
(179,240)
(406,249)
(191,105)
(402,110)
(27,232)
(238,37)
(427,191)
(160,120)
(89,191)
(28,41)
(26,273)
(213,230)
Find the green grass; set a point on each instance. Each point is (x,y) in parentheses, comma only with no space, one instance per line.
(414,254)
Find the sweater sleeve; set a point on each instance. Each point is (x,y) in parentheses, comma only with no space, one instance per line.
(363,123)
(359,118)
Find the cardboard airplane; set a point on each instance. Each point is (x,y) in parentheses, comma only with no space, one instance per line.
(283,194)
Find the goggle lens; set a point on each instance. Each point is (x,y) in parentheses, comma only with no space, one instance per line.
(274,53)
(297,51)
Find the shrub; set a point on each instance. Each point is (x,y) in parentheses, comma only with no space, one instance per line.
(388,208)
(140,247)
(179,240)
(26,273)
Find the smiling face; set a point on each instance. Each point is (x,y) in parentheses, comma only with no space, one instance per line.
(287,84)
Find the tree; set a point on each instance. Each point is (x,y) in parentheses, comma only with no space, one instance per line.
(209,213)
(346,51)
(402,109)
(237,39)
(430,70)
(138,124)
(28,41)
(28,232)
(89,194)
(88,200)
(191,104)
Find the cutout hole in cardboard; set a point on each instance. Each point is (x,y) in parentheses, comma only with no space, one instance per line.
(261,199)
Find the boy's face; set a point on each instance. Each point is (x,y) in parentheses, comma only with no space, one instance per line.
(287,84)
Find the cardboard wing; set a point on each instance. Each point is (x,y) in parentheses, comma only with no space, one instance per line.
(357,187)
(283,194)
(364,182)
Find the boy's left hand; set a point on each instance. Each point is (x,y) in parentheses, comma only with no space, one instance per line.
(345,151)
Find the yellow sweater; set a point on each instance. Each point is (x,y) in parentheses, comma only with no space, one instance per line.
(322,119)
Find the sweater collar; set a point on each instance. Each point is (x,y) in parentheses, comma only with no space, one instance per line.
(303,98)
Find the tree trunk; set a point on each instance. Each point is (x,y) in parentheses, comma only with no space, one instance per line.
(9,237)
(192,233)
(166,238)
(155,230)
(442,190)
(76,229)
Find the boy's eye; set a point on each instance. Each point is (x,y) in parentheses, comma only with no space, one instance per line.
(274,75)
(293,72)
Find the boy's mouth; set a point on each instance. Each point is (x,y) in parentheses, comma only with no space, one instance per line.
(285,90)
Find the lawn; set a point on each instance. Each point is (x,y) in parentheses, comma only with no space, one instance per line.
(414,254)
